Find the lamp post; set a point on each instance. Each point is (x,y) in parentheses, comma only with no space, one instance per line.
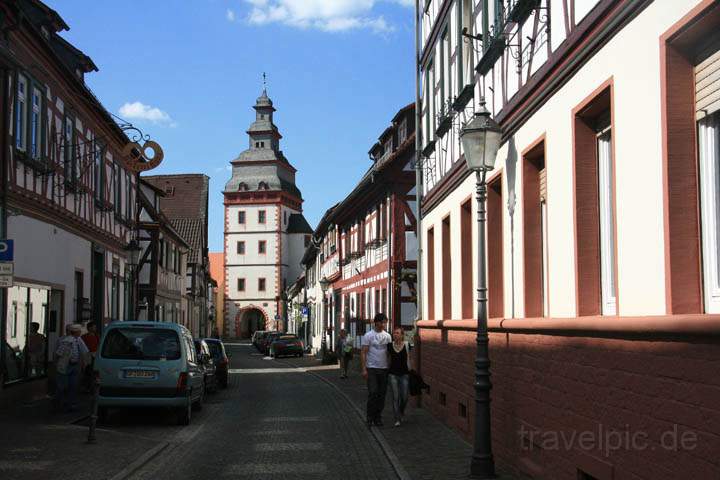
(324,285)
(133,249)
(481,139)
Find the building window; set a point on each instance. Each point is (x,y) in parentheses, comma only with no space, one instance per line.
(69,148)
(115,293)
(431,273)
(607,222)
(263,186)
(241,217)
(99,154)
(262,247)
(261,284)
(709,156)
(466,260)
(128,197)
(36,125)
(596,291)
(533,204)
(242,186)
(241,284)
(14,324)
(261,216)
(446,270)
(241,248)
(495,283)
(21,113)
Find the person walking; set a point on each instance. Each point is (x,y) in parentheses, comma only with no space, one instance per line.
(374,357)
(70,354)
(91,340)
(36,350)
(344,349)
(399,373)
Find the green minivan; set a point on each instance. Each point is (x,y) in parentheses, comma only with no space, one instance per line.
(148,364)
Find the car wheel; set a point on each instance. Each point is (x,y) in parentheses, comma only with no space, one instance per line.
(184,414)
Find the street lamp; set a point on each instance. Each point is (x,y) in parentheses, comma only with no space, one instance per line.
(324,285)
(133,249)
(481,139)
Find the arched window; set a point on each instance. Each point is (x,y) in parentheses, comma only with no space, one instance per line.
(242,186)
(263,186)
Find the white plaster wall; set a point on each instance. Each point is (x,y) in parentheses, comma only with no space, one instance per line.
(50,255)
(632,59)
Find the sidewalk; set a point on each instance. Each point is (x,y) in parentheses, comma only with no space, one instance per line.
(38,445)
(425,447)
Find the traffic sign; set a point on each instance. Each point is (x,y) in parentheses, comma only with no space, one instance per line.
(6,250)
(7,268)
(305,311)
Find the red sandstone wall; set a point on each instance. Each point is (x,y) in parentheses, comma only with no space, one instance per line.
(557,387)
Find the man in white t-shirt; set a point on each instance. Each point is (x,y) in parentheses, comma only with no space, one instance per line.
(375,364)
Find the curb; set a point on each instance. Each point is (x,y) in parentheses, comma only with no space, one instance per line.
(140,462)
(384,446)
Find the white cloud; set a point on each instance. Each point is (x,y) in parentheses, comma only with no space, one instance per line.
(230,15)
(326,15)
(140,111)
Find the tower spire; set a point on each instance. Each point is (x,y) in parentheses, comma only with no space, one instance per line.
(264,83)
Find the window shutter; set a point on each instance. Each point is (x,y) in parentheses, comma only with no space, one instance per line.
(707,86)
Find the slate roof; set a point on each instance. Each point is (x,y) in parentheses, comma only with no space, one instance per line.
(185,204)
(298,224)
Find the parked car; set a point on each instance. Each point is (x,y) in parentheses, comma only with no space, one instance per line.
(149,364)
(267,340)
(286,345)
(207,362)
(256,337)
(217,350)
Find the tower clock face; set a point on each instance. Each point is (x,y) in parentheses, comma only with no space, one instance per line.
(137,159)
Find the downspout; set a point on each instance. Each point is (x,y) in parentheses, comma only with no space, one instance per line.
(4,162)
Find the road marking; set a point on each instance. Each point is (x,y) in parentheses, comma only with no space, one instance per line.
(140,462)
(270,432)
(291,419)
(25,465)
(276,468)
(287,447)
(283,370)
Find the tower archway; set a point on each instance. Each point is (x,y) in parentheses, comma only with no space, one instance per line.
(249,320)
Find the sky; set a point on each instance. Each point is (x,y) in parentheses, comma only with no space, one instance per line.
(188,72)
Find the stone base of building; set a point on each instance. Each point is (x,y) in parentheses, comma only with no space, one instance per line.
(568,406)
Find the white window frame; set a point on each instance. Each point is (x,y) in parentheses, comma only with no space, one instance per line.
(21,114)
(607,223)
(545,257)
(36,124)
(709,166)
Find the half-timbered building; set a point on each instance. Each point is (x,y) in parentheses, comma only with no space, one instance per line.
(366,244)
(68,199)
(601,236)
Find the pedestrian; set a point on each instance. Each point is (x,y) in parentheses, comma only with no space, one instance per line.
(91,340)
(70,354)
(398,373)
(36,350)
(374,357)
(344,349)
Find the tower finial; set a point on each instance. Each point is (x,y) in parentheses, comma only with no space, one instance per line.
(264,82)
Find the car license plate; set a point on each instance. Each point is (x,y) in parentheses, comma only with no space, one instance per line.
(139,374)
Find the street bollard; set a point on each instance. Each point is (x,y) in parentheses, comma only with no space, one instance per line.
(91,439)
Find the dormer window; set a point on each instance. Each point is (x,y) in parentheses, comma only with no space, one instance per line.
(242,187)
(263,186)
(169,190)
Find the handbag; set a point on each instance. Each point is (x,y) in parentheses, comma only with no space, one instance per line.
(416,383)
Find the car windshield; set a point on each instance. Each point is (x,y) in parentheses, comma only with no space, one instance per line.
(142,344)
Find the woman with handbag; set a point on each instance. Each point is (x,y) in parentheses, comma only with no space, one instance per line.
(344,349)
(398,374)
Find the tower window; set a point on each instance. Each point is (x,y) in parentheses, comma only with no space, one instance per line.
(262,246)
(241,284)
(261,216)
(261,284)
(263,186)
(241,217)
(241,248)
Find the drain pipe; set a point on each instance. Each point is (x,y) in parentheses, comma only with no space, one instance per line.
(418,176)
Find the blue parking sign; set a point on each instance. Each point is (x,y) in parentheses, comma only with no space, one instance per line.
(6,250)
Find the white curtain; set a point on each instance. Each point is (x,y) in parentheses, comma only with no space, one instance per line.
(709,149)
(607,233)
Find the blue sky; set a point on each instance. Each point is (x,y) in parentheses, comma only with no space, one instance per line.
(188,72)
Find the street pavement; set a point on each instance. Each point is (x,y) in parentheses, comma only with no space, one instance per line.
(285,418)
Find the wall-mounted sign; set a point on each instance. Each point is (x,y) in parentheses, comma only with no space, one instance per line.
(136,158)
(7,269)
(6,250)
